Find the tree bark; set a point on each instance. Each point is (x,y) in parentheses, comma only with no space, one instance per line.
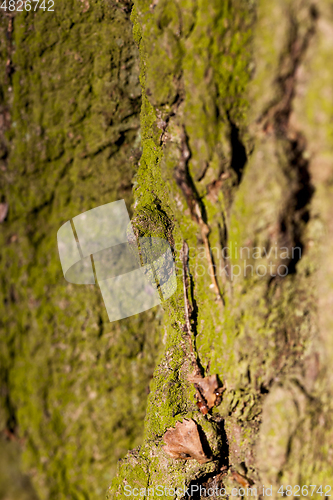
(236,103)
(236,106)
(73,385)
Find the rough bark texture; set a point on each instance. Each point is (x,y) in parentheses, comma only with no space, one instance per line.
(236,138)
(73,386)
(236,134)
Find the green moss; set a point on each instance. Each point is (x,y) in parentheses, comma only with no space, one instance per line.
(197,62)
(73,386)
(13,484)
(266,326)
(201,72)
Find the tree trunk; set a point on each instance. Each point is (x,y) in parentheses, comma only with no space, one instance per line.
(236,161)
(73,385)
(236,135)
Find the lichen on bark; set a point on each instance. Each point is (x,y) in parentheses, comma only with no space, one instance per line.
(225,96)
(73,386)
(236,143)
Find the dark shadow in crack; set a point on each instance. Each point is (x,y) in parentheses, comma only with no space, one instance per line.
(238,151)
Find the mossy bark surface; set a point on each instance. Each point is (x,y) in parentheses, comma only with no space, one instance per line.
(236,137)
(73,385)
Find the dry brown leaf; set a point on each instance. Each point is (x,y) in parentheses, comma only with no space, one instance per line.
(208,392)
(183,442)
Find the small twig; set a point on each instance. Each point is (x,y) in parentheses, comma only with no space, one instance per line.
(184,182)
(208,392)
(204,234)
(187,311)
(185,285)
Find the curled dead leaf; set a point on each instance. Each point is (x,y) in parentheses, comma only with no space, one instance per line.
(183,442)
(208,392)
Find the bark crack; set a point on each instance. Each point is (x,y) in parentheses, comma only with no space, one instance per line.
(276,119)
(197,209)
